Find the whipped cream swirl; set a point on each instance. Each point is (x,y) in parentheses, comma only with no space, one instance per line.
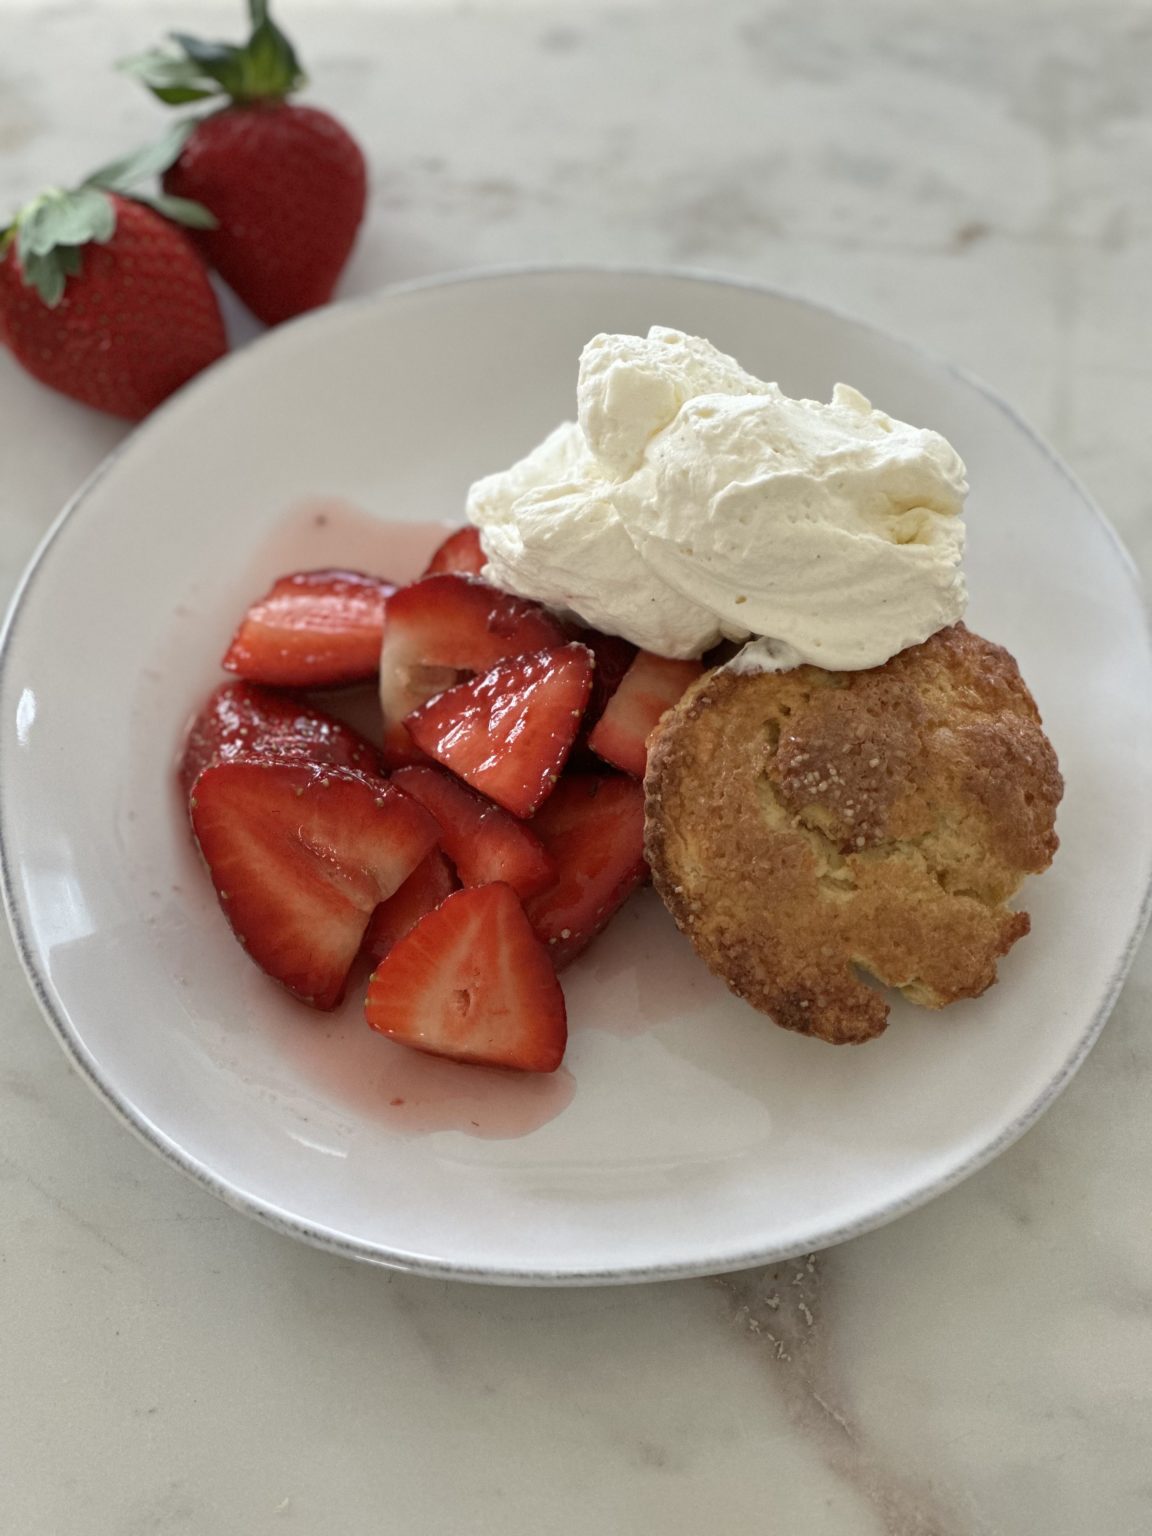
(691,502)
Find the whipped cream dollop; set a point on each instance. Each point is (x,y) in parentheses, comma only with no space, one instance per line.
(691,502)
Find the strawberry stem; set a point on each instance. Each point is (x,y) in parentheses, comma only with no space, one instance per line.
(263,69)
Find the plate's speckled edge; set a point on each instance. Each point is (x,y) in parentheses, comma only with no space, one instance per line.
(423,1264)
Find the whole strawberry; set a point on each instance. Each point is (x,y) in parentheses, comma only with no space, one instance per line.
(103,298)
(286,183)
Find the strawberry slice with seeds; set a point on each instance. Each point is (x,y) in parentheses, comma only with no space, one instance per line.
(483,841)
(593,829)
(315,629)
(423,891)
(613,658)
(508,733)
(460,552)
(651,685)
(444,628)
(243,720)
(472,982)
(301,855)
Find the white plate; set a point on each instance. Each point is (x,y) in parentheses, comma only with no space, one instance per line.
(688,1135)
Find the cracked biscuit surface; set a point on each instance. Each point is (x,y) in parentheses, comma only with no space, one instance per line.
(808,828)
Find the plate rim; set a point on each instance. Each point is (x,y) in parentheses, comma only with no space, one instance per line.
(57,1015)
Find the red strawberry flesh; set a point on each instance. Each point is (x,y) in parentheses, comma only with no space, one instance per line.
(425,888)
(593,829)
(651,685)
(472,982)
(300,856)
(484,842)
(459,552)
(314,629)
(613,658)
(244,720)
(509,732)
(440,629)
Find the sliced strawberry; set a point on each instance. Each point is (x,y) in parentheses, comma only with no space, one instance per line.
(424,890)
(440,629)
(651,685)
(508,733)
(242,720)
(613,658)
(459,552)
(483,842)
(300,856)
(593,828)
(471,982)
(317,629)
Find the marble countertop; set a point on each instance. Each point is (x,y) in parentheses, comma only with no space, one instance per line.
(976,176)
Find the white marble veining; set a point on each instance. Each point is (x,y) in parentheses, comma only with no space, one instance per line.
(976,176)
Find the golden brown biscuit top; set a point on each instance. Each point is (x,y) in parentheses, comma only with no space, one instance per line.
(805,826)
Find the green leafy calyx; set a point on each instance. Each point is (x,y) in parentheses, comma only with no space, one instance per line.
(51,232)
(265,68)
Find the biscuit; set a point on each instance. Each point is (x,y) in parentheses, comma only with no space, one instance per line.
(810,829)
